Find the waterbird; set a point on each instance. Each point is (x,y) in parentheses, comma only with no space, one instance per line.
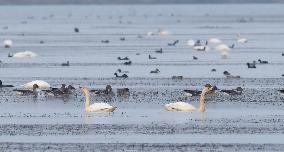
(125,58)
(62,91)
(33,92)
(127,63)
(122,39)
(200,48)
(95,107)
(24,54)
(194,58)
(41,84)
(251,65)
(65,64)
(76,30)
(226,73)
(177,77)
(159,51)
(214,41)
(240,39)
(186,107)
(151,57)
(8,43)
(121,76)
(105,41)
(191,93)
(120,71)
(174,43)
(281,91)
(237,91)
(123,91)
(2,86)
(155,71)
(232,46)
(106,91)
(262,62)
(213,70)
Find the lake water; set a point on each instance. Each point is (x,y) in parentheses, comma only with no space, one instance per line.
(252,121)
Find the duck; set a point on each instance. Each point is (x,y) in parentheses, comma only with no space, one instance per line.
(65,64)
(8,43)
(107,91)
(262,62)
(194,58)
(191,93)
(123,91)
(127,63)
(226,73)
(240,39)
(237,91)
(120,71)
(63,90)
(232,46)
(151,57)
(4,86)
(177,77)
(159,51)
(200,48)
(122,39)
(105,41)
(281,91)
(251,65)
(41,84)
(125,58)
(76,30)
(213,70)
(121,76)
(25,54)
(95,107)
(186,107)
(155,71)
(174,43)
(33,92)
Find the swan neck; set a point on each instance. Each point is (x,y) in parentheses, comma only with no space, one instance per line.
(87,99)
(202,102)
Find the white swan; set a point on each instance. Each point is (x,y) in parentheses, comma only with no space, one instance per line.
(214,41)
(223,49)
(240,39)
(41,84)
(182,106)
(25,54)
(190,43)
(8,43)
(150,33)
(95,107)
(163,32)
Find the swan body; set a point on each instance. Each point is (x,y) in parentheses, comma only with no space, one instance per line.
(222,48)
(95,107)
(240,39)
(150,33)
(186,107)
(163,32)
(25,54)
(214,41)
(8,43)
(179,106)
(41,84)
(190,43)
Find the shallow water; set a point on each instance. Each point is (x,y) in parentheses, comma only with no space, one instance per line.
(252,121)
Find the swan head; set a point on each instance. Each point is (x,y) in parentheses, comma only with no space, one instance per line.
(85,89)
(207,88)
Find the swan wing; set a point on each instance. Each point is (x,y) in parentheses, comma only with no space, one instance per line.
(24,54)
(214,41)
(179,106)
